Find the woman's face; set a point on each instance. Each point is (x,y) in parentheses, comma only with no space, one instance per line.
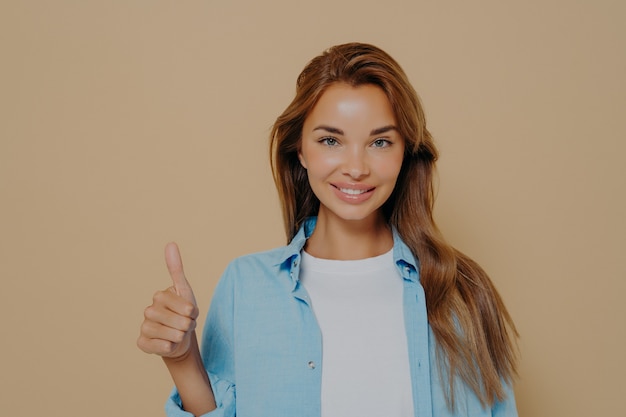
(352,151)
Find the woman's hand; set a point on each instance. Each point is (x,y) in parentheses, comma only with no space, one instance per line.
(168,330)
(170,320)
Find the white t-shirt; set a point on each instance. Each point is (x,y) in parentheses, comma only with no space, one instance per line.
(358,306)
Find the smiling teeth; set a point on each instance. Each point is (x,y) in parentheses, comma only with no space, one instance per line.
(352,191)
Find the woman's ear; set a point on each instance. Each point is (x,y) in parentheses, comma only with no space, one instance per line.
(301,158)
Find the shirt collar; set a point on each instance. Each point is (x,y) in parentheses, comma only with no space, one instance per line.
(294,247)
(401,253)
(404,258)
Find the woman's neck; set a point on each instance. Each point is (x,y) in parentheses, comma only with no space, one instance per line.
(349,239)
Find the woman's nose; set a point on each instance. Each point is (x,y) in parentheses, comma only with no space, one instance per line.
(355,164)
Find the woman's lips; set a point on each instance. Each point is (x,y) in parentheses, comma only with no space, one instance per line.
(352,190)
(353,193)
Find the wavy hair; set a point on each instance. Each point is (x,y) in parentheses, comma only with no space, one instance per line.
(475,334)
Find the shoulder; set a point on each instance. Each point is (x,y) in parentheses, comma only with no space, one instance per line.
(250,280)
(258,266)
(269,265)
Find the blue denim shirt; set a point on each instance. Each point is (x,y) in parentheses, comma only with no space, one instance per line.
(262,347)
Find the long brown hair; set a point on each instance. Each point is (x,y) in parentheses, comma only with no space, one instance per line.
(474,332)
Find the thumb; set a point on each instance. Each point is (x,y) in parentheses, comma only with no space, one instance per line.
(175,267)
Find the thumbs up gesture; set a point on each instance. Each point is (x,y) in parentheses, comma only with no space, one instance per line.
(170,321)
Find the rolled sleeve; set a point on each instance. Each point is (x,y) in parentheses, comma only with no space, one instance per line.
(224,393)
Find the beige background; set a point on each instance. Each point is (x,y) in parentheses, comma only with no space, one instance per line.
(127,124)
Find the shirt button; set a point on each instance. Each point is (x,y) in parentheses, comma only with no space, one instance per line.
(311,364)
(295,263)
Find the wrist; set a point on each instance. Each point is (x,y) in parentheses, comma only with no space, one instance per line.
(193,350)
(192,380)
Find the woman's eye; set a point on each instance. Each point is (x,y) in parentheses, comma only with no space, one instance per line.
(329,141)
(381,143)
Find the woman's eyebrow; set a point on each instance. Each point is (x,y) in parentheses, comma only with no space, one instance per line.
(383,129)
(338,131)
(329,129)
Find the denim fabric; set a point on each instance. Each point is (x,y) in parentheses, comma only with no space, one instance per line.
(262,346)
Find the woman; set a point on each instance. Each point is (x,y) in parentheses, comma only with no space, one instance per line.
(367,311)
